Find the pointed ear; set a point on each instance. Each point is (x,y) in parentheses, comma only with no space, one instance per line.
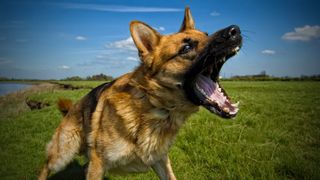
(188,22)
(144,37)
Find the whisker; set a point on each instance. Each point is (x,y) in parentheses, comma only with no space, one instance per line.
(243,50)
(247,38)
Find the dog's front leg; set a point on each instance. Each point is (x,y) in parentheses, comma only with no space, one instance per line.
(163,169)
(95,169)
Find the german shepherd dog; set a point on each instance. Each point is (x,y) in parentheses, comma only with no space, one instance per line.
(129,124)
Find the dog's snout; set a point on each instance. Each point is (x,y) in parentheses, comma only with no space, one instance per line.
(232,32)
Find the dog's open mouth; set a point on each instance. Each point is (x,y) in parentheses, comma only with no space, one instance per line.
(211,94)
(202,85)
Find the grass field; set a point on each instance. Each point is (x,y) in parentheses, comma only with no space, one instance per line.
(276,135)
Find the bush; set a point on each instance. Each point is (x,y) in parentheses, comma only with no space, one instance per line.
(99,77)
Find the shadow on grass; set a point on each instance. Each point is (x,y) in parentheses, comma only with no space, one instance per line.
(74,171)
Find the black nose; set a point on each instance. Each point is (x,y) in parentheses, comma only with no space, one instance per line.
(232,32)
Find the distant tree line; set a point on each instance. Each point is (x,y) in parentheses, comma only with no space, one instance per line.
(98,77)
(263,76)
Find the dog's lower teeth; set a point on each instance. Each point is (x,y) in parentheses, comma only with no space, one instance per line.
(218,100)
(235,104)
(234,112)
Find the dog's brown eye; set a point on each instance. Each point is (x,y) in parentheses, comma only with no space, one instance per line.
(185,49)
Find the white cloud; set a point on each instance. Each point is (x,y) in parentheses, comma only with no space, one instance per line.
(215,13)
(115,8)
(305,33)
(126,44)
(160,28)
(65,67)
(80,38)
(100,56)
(130,58)
(268,52)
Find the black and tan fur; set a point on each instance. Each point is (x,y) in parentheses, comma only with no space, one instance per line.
(129,124)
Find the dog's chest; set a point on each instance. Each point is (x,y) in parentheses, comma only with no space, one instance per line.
(152,144)
(120,157)
(124,157)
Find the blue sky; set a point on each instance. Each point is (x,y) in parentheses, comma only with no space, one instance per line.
(56,39)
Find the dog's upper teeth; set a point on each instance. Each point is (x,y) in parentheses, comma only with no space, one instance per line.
(223,59)
(202,91)
(236,49)
(224,98)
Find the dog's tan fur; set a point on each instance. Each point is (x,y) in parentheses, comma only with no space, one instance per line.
(137,118)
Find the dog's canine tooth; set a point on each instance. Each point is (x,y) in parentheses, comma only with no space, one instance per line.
(224,97)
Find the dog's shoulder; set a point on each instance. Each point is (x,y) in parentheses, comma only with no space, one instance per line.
(89,102)
(91,99)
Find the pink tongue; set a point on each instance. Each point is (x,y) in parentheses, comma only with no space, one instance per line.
(211,89)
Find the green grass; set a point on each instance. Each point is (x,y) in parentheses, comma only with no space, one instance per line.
(276,135)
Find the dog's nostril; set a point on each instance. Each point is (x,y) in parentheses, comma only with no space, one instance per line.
(233,31)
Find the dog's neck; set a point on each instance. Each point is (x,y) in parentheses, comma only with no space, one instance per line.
(159,95)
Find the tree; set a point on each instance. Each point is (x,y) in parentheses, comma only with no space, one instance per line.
(99,77)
